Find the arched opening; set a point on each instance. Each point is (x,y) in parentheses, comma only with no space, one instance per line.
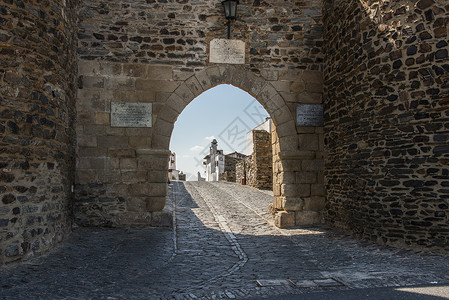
(295,172)
(231,117)
(122,172)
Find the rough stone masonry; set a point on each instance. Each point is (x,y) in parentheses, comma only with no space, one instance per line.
(378,167)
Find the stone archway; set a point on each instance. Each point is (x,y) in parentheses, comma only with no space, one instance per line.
(293,201)
(121,175)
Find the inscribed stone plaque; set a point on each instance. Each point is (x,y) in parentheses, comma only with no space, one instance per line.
(131,114)
(309,115)
(224,51)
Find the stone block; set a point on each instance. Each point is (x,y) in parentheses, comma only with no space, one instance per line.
(286,177)
(86,141)
(85,176)
(194,86)
(160,72)
(309,98)
(176,102)
(134,70)
(281,86)
(297,87)
(282,115)
(110,68)
(155,203)
(156,85)
(153,163)
(122,153)
(284,219)
(310,76)
(291,165)
(133,176)
(184,92)
(128,163)
(181,75)
(139,142)
(305,218)
(288,143)
(143,131)
(268,92)
(288,97)
(93,82)
(136,204)
(312,165)
(160,141)
(112,163)
(314,87)
(113,142)
(308,141)
(295,190)
(305,130)
(318,190)
(286,129)
(165,127)
(290,75)
(90,152)
(102,118)
(293,204)
(157,176)
(134,96)
(314,203)
(306,177)
(120,83)
(270,75)
(88,68)
(91,163)
(94,130)
(276,189)
(140,190)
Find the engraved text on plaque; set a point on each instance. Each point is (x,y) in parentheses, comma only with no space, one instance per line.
(309,115)
(131,114)
(224,51)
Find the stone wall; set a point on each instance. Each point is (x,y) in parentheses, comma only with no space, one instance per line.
(259,166)
(37,78)
(157,52)
(229,169)
(387,120)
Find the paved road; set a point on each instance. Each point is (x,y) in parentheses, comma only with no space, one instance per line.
(224,245)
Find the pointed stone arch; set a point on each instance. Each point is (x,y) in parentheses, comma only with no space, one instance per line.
(283,118)
(296,167)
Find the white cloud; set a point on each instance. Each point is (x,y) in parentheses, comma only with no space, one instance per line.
(186,156)
(209,138)
(196,148)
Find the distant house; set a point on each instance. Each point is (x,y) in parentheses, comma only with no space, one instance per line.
(220,166)
(214,162)
(173,173)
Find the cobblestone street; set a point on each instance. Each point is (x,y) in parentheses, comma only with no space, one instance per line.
(223,245)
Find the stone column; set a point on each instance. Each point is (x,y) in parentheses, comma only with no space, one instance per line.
(299,197)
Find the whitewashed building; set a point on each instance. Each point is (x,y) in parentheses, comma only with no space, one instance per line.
(214,162)
(173,173)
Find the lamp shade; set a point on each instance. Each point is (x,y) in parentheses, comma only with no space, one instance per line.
(230,8)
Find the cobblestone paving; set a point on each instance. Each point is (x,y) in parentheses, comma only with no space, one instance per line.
(224,245)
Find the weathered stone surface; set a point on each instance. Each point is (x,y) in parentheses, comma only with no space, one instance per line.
(37,125)
(284,219)
(382,168)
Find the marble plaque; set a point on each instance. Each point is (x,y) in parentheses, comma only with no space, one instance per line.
(309,115)
(224,51)
(131,114)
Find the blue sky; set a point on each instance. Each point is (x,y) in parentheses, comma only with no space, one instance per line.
(225,113)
